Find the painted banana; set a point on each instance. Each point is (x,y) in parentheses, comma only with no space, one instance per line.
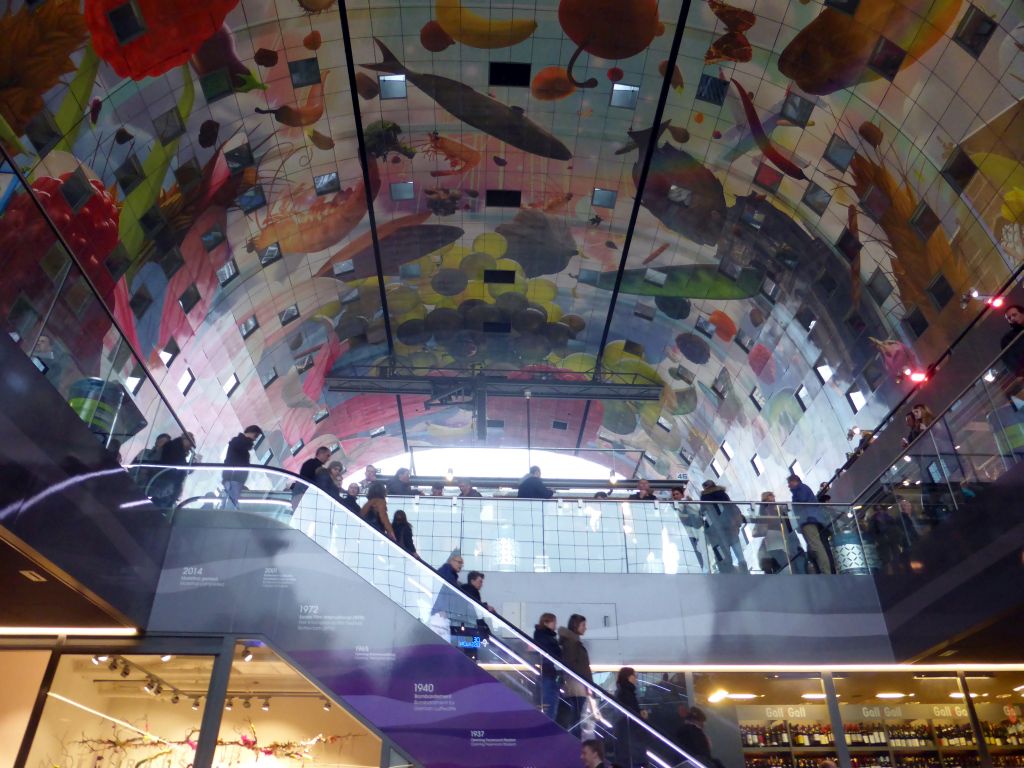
(474,30)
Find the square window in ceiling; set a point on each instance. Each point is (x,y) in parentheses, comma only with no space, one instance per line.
(806,318)
(796,109)
(189,298)
(288,314)
(186,381)
(712,89)
(757,398)
(514,74)
(625,96)
(726,450)
(680,195)
(634,348)
(270,254)
(856,398)
(76,190)
(392,86)
(55,262)
(924,221)
(499,276)
(827,284)
(327,183)
(873,374)
(743,340)
(230,385)
(252,199)
(974,31)
(169,353)
(816,198)
(876,203)
(304,72)
(769,289)
(227,273)
(321,415)
(304,364)
(879,286)
(705,326)
(848,245)
(249,326)
(561,426)
(915,322)
(168,126)
(959,170)
(846,6)
(495,423)
(117,262)
(239,158)
(268,377)
(664,423)
(298,446)
(752,217)
(803,398)
(343,267)
(171,262)
(152,222)
(940,291)
(767,177)
(839,152)
(127,22)
(42,132)
(212,237)
(140,302)
(403,190)
(188,174)
(716,468)
(603,198)
(823,370)
(645,311)
(129,174)
(887,58)
(503,198)
(757,464)
(216,85)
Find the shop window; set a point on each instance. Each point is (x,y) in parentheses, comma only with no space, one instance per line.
(304,72)
(757,398)
(757,464)
(268,376)
(171,262)
(823,370)
(43,133)
(327,183)
(252,199)
(402,190)
(270,254)
(975,30)
(55,262)
(212,237)
(827,284)
(239,158)
(705,326)
(169,353)
(227,273)
(915,322)
(603,198)
(186,381)
(392,86)
(797,109)
(806,318)
(230,385)
(118,263)
(849,245)
(513,74)
(856,398)
(803,398)
(288,314)
(152,222)
(503,198)
(150,705)
(875,203)
(712,89)
(189,298)
(248,326)
(140,302)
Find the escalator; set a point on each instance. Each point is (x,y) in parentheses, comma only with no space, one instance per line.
(448,682)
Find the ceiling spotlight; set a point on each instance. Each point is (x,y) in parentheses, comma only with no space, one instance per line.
(175,699)
(717,696)
(246,653)
(812,696)
(166,657)
(996,302)
(230,705)
(450,474)
(266,705)
(612,478)
(195,704)
(112,666)
(100,659)
(246,703)
(148,687)
(126,670)
(892,695)
(327,706)
(158,689)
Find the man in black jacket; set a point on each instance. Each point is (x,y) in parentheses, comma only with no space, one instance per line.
(237,455)
(308,473)
(399,485)
(532,487)
(1013,344)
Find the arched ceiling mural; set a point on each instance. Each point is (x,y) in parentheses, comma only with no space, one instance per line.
(819,183)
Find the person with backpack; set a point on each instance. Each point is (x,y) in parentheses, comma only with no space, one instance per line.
(237,455)
(724,523)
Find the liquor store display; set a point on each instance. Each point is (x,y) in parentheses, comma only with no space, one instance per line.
(904,736)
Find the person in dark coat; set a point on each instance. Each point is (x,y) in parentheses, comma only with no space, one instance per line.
(546,638)
(399,485)
(467,491)
(447,608)
(532,487)
(691,738)
(237,455)
(350,499)
(1013,344)
(403,532)
(724,522)
(643,491)
(308,472)
(474,583)
(167,484)
(577,660)
(630,741)
(143,475)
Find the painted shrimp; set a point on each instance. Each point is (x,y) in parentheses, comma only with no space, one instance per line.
(306,223)
(461,158)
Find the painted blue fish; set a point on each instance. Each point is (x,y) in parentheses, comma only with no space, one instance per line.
(508,124)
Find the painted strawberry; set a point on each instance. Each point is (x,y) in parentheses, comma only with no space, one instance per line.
(165,35)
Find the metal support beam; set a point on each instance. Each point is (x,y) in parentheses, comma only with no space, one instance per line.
(551,389)
(836,718)
(979,737)
(213,707)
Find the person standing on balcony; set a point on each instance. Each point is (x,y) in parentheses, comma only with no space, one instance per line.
(724,521)
(546,638)
(813,521)
(577,660)
(437,489)
(399,485)
(467,491)
(238,456)
(369,478)
(643,491)
(532,487)
(692,521)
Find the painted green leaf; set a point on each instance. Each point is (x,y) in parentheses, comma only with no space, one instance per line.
(8,139)
(74,107)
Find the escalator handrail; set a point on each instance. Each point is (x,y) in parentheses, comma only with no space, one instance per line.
(596,690)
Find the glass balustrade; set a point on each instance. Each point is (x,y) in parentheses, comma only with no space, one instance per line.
(495,645)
